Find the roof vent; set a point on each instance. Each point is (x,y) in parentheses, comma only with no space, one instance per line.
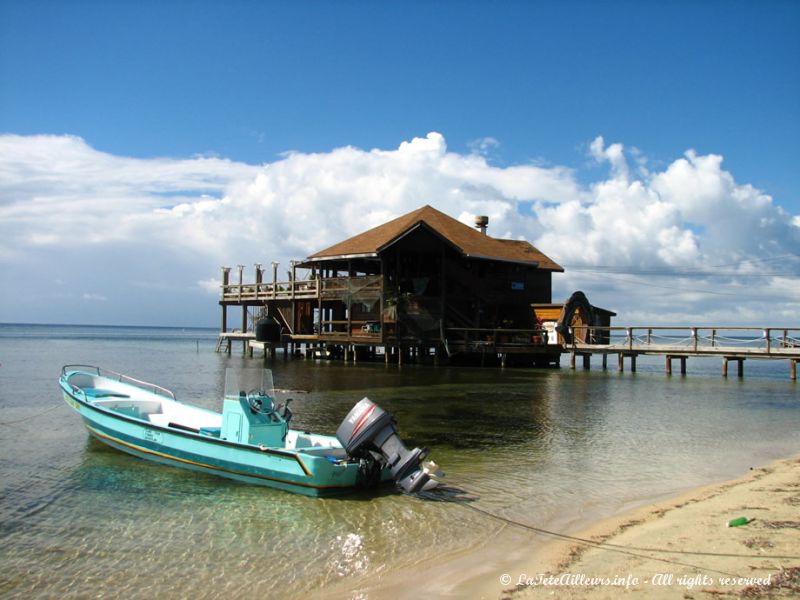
(482,222)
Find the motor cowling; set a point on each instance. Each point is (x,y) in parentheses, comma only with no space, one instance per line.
(369,428)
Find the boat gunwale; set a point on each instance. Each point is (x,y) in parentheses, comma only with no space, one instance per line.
(120,377)
(69,388)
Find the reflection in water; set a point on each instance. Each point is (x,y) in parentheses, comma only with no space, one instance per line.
(548,448)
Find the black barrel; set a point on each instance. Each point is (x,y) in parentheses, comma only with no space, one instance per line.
(268,330)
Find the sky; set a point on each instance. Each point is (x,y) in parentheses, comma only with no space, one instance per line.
(648,147)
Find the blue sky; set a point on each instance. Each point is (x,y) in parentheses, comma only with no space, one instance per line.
(219,97)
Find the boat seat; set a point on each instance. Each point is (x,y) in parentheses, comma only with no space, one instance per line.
(338,453)
(159,419)
(101,393)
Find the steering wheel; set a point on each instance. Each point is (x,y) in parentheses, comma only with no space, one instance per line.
(255,400)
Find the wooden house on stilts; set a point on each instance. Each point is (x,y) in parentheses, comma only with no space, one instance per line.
(423,286)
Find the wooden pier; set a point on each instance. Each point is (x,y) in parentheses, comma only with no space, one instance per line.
(731,344)
(502,346)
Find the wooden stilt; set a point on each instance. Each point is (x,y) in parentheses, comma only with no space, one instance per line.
(739,365)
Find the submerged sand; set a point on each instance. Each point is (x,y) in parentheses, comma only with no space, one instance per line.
(677,548)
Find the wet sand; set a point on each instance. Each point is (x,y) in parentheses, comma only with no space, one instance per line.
(683,548)
(676,548)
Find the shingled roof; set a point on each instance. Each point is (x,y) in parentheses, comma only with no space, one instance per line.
(466,240)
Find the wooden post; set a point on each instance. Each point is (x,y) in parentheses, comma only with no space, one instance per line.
(739,366)
(668,364)
(620,362)
(683,365)
(605,361)
(572,360)
(793,367)
(244,325)
(259,273)
(633,363)
(587,358)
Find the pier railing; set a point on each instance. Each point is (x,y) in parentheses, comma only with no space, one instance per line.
(730,341)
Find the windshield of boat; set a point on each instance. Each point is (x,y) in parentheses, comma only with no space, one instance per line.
(248,380)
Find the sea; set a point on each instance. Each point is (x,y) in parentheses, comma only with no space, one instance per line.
(549,448)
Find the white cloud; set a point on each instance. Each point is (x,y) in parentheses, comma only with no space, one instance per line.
(94,297)
(152,233)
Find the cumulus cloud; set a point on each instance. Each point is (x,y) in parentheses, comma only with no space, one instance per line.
(149,235)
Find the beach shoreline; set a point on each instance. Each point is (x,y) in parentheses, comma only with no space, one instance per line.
(674,546)
(682,547)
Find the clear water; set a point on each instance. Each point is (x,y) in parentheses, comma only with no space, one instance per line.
(551,448)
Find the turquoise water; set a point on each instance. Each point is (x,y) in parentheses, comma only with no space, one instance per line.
(551,448)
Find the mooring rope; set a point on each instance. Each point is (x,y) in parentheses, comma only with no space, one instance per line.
(629,550)
(28,418)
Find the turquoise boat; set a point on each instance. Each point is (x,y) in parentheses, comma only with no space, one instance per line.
(250,440)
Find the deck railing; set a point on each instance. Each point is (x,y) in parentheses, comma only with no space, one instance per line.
(497,336)
(306,289)
(281,290)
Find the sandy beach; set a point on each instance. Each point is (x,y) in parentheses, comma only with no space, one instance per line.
(675,548)
(681,548)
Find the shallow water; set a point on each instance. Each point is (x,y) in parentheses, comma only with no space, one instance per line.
(546,447)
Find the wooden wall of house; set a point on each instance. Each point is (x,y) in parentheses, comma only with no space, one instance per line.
(478,292)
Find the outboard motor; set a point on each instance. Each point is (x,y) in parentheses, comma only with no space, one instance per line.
(369,428)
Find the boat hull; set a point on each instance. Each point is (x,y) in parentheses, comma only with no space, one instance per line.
(304,471)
